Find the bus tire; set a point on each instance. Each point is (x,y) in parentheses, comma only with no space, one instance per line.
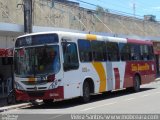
(48,102)
(136,83)
(86,93)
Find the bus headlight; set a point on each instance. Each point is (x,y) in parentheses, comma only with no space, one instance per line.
(53,85)
(18,86)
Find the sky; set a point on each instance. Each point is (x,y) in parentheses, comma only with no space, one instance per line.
(142,7)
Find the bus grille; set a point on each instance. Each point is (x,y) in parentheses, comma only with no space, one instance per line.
(34,82)
(35,94)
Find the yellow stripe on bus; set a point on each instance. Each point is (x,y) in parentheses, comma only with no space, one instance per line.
(98,67)
(102,75)
(91,37)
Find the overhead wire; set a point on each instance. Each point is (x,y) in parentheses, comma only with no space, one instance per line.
(110,10)
(117,11)
(121,13)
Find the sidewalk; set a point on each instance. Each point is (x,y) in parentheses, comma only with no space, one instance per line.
(4,106)
(20,105)
(11,107)
(157,79)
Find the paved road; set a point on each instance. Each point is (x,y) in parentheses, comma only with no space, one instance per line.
(121,102)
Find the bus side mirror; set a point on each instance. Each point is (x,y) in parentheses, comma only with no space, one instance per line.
(65,46)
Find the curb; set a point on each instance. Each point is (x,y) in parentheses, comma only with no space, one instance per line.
(157,79)
(22,105)
(3,109)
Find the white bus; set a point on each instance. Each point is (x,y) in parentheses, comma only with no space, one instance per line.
(64,65)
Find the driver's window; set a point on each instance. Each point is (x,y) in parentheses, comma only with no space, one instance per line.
(70,56)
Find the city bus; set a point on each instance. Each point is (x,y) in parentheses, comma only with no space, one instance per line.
(61,65)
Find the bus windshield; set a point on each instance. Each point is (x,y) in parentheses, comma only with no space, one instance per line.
(37,61)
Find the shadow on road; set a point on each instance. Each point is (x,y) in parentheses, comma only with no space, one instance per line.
(94,98)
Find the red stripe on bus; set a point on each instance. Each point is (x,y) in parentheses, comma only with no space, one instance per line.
(139,41)
(117,78)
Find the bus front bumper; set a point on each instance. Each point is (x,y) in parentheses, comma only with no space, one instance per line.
(55,94)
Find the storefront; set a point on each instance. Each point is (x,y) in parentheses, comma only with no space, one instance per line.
(6,71)
(156,47)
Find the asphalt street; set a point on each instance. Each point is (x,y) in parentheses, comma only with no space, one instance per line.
(118,102)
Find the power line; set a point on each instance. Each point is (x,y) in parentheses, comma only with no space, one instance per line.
(119,4)
(116,11)
(86,3)
(110,10)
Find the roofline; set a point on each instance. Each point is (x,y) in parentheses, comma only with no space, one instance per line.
(114,39)
(139,41)
(71,33)
(50,32)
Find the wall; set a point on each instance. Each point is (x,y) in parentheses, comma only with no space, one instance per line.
(71,16)
(7,41)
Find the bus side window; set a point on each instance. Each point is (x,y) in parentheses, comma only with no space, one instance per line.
(151,53)
(135,52)
(70,56)
(85,51)
(99,51)
(125,51)
(113,51)
(144,52)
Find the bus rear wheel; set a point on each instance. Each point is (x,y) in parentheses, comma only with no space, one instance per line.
(86,93)
(136,84)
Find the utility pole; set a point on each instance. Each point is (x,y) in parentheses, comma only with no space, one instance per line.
(28,16)
(134,8)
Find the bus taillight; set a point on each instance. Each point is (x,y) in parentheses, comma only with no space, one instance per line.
(51,78)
